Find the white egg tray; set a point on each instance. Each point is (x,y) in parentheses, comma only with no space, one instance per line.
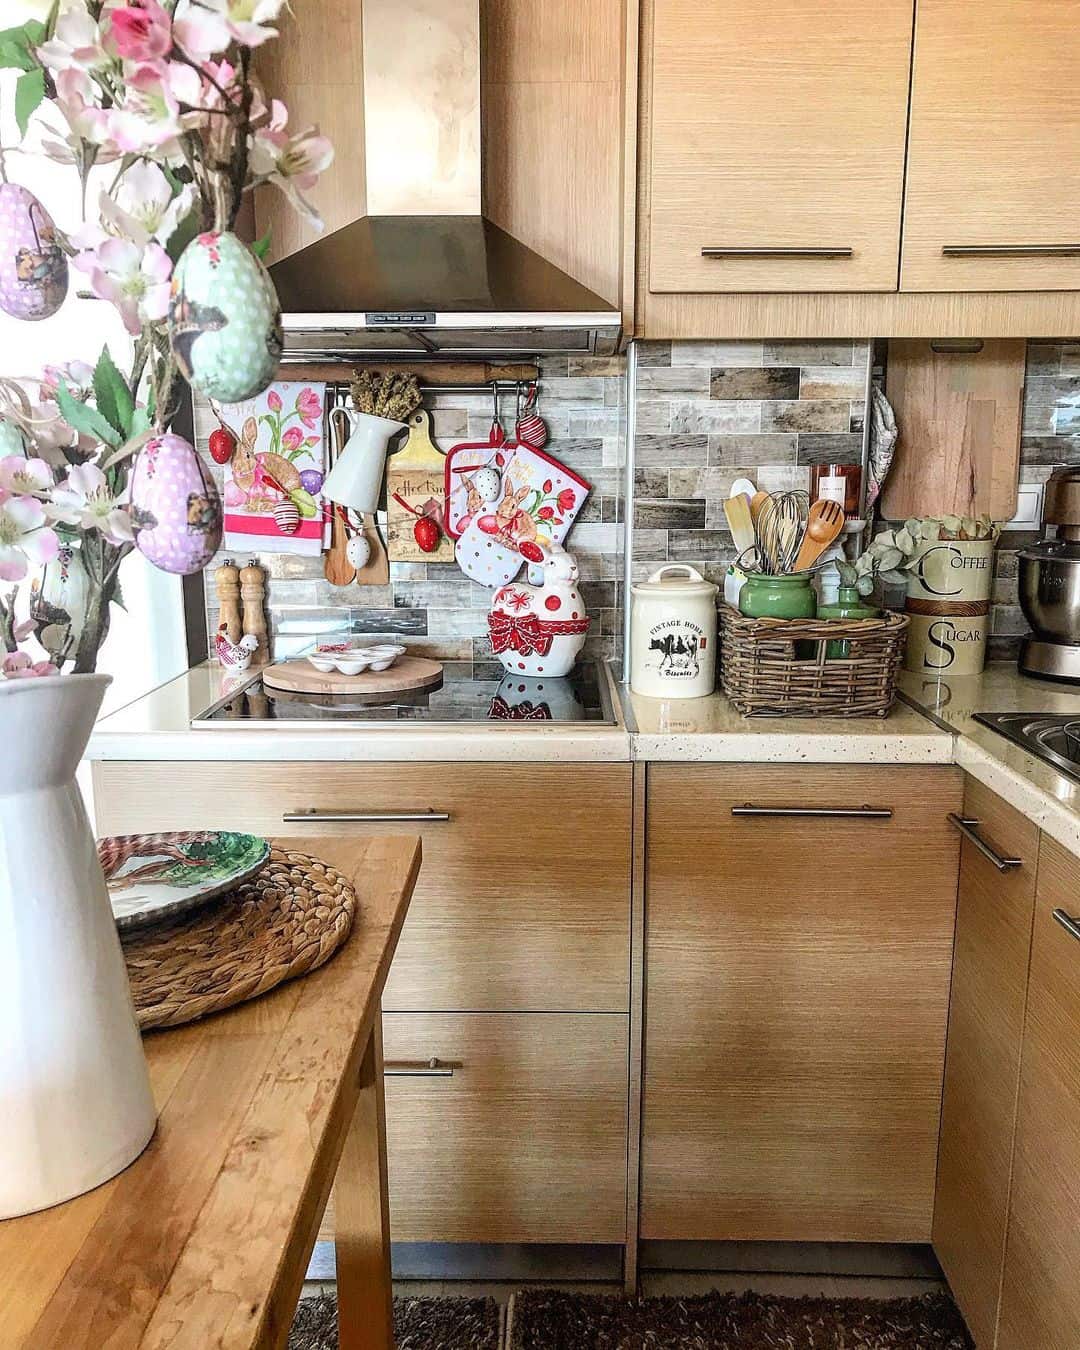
(355,660)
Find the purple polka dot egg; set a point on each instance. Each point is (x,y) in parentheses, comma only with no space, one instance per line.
(33,268)
(175,507)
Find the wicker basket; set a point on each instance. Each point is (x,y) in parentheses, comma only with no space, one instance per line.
(780,667)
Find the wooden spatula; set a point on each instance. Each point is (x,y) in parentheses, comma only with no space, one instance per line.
(336,568)
(823,526)
(737,511)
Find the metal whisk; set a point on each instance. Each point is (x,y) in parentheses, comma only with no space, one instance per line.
(779,531)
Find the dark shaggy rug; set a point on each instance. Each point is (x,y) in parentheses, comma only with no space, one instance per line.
(419,1324)
(551,1321)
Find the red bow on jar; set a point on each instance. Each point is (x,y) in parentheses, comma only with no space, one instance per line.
(525,635)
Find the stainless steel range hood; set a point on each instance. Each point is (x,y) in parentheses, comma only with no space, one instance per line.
(424,273)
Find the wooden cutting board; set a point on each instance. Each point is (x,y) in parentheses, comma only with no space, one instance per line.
(407,674)
(416,474)
(958,414)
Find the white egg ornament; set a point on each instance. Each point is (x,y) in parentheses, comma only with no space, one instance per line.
(224,319)
(175,507)
(487,482)
(33,268)
(358,551)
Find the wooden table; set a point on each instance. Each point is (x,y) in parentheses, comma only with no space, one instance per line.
(203,1243)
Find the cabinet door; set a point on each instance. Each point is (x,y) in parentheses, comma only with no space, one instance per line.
(995,125)
(523,899)
(777,130)
(982,1066)
(525,1142)
(797,993)
(1040,1299)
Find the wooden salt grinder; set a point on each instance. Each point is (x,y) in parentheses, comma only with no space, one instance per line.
(253,591)
(227,581)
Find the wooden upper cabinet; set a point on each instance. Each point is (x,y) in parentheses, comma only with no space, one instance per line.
(995,126)
(777,127)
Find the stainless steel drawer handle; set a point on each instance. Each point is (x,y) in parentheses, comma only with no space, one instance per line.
(778,253)
(434,1068)
(312,814)
(967,827)
(828,812)
(1011,251)
(1071,925)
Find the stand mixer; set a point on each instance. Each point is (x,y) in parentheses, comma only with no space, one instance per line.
(1050,586)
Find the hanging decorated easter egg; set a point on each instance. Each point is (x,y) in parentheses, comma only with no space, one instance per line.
(175,507)
(487,483)
(224,319)
(33,268)
(58,604)
(358,551)
(12,440)
(287,517)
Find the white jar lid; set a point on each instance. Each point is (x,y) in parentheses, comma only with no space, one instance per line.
(664,582)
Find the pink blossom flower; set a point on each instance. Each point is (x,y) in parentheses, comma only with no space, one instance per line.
(309,406)
(25,536)
(293,439)
(20,476)
(143,207)
(151,116)
(213,24)
(77,375)
(138,31)
(134,279)
(75,43)
(77,98)
(22,666)
(273,401)
(292,163)
(87,500)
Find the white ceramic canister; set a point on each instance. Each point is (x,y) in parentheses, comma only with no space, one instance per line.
(673,634)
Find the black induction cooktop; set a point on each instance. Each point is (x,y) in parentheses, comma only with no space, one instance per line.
(1055,739)
(464,696)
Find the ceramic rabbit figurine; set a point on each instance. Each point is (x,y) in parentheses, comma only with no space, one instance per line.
(539,630)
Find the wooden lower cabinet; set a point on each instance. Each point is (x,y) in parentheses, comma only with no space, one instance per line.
(797,988)
(1040,1299)
(526,1142)
(523,901)
(982,1070)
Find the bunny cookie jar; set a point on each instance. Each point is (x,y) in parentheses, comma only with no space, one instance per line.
(539,630)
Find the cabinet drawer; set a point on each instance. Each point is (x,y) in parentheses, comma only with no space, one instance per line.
(982,1068)
(523,898)
(525,1142)
(797,986)
(776,130)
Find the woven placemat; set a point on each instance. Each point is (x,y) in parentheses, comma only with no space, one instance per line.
(284,922)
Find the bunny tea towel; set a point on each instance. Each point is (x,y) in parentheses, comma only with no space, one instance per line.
(279,458)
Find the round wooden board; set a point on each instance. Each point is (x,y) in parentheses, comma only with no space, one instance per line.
(408,673)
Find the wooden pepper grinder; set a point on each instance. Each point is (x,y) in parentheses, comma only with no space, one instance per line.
(227,581)
(253,592)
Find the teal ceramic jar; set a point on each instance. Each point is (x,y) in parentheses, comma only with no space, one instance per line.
(786,597)
(849,605)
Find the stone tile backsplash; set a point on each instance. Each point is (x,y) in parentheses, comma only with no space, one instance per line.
(711,412)
(707,413)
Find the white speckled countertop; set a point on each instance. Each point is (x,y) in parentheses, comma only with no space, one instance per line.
(1045,796)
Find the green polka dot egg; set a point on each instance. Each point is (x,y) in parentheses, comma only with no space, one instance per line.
(224,319)
(12,441)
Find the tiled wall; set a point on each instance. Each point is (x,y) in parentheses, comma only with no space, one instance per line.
(433,608)
(1050,436)
(711,412)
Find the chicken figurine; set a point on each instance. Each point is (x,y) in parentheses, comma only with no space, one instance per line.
(235,656)
(539,630)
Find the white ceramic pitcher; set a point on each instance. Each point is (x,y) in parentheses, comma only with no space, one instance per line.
(75,1101)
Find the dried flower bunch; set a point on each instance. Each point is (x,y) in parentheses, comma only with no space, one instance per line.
(396,397)
(155,106)
(893,553)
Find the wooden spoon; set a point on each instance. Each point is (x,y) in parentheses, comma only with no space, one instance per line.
(823,526)
(337,569)
(757,504)
(737,511)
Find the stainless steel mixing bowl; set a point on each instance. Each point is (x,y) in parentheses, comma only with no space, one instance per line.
(1050,590)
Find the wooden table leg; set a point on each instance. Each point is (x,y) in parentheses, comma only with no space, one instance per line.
(362,1213)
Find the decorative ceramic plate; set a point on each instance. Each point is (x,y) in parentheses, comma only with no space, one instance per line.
(152,877)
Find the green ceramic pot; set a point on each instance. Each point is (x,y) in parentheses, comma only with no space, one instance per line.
(849,605)
(787,597)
